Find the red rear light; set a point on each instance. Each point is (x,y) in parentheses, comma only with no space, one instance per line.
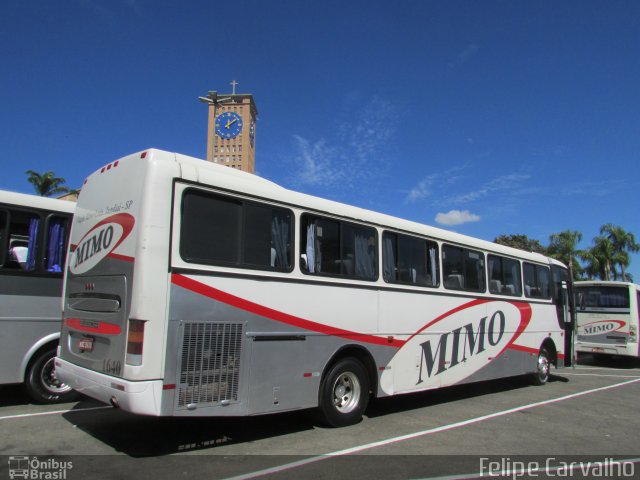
(143,154)
(135,340)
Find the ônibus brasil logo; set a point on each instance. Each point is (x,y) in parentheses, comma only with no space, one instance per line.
(100,241)
(456,345)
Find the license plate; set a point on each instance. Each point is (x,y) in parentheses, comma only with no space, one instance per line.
(86,344)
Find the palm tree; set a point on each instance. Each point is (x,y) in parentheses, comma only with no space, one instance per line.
(600,259)
(623,243)
(563,247)
(46,184)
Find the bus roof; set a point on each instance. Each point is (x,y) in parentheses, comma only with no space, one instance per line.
(35,201)
(605,283)
(220,176)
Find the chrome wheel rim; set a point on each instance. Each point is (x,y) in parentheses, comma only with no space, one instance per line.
(49,379)
(543,367)
(346,392)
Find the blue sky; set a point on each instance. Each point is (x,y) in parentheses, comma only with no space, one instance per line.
(484,117)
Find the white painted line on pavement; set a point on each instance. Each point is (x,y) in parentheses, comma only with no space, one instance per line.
(422,433)
(55,412)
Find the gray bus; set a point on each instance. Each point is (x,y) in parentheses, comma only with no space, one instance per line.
(34,236)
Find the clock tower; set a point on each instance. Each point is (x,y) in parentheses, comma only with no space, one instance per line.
(231,131)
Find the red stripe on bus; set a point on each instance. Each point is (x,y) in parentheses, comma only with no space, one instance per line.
(243,304)
(522,348)
(531,350)
(103,327)
(470,304)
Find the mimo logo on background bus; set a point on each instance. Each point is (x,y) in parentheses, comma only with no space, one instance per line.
(100,241)
(601,326)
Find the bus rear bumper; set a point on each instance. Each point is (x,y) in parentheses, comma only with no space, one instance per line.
(599,348)
(143,398)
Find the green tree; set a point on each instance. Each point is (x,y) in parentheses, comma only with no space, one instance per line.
(563,246)
(600,259)
(623,243)
(46,184)
(522,242)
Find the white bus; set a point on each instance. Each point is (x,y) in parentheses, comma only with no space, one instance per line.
(607,317)
(195,289)
(34,234)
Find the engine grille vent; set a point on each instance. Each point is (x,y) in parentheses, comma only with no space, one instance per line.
(210,364)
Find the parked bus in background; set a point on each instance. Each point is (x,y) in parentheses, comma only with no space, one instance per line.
(202,290)
(607,317)
(34,234)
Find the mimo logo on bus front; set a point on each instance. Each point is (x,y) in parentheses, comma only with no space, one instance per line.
(102,239)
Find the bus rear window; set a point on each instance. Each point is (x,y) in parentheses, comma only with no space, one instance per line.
(218,230)
(602,297)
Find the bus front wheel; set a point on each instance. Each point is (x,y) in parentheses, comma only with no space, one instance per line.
(344,393)
(543,366)
(41,382)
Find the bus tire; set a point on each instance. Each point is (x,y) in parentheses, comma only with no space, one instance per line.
(543,367)
(344,393)
(41,382)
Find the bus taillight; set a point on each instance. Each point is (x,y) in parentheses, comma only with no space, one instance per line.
(135,339)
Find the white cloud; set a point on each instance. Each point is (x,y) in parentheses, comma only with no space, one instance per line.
(421,190)
(427,185)
(315,163)
(469,51)
(352,159)
(372,128)
(512,182)
(456,217)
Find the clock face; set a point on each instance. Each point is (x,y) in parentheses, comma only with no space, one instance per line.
(228,125)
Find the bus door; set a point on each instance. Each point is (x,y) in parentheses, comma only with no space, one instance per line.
(563,299)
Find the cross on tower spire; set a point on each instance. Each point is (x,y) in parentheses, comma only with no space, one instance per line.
(233,87)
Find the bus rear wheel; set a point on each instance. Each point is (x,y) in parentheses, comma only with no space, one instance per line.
(41,382)
(543,366)
(344,393)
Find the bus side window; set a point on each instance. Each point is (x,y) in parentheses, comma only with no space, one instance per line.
(336,248)
(504,276)
(22,240)
(3,236)
(227,231)
(55,243)
(463,269)
(537,281)
(409,260)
